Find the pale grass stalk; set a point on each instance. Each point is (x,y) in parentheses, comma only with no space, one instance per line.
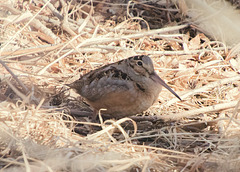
(205,88)
(28,51)
(207,64)
(10,162)
(42,162)
(117,48)
(103,125)
(4,129)
(58,132)
(93,35)
(40,104)
(84,24)
(58,59)
(101,132)
(11,9)
(167,135)
(210,64)
(19,31)
(99,40)
(146,164)
(234,115)
(126,163)
(111,127)
(191,113)
(221,123)
(115,124)
(27,165)
(164,151)
(233,52)
(84,123)
(95,32)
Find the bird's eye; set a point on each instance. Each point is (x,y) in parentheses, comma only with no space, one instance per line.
(139,63)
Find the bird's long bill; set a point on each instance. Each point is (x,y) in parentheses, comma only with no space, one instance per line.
(156,78)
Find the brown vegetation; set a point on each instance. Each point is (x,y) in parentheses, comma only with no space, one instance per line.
(47,45)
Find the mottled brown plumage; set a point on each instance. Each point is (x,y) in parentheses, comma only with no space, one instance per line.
(124,88)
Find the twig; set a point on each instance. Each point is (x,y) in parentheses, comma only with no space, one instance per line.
(15,77)
(54,10)
(39,26)
(19,93)
(65,24)
(49,20)
(145,118)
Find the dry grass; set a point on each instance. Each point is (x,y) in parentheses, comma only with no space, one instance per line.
(39,55)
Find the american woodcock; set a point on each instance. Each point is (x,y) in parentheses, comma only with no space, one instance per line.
(124,88)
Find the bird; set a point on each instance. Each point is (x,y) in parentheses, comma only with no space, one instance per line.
(124,88)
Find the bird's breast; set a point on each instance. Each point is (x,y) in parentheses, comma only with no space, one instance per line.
(121,98)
